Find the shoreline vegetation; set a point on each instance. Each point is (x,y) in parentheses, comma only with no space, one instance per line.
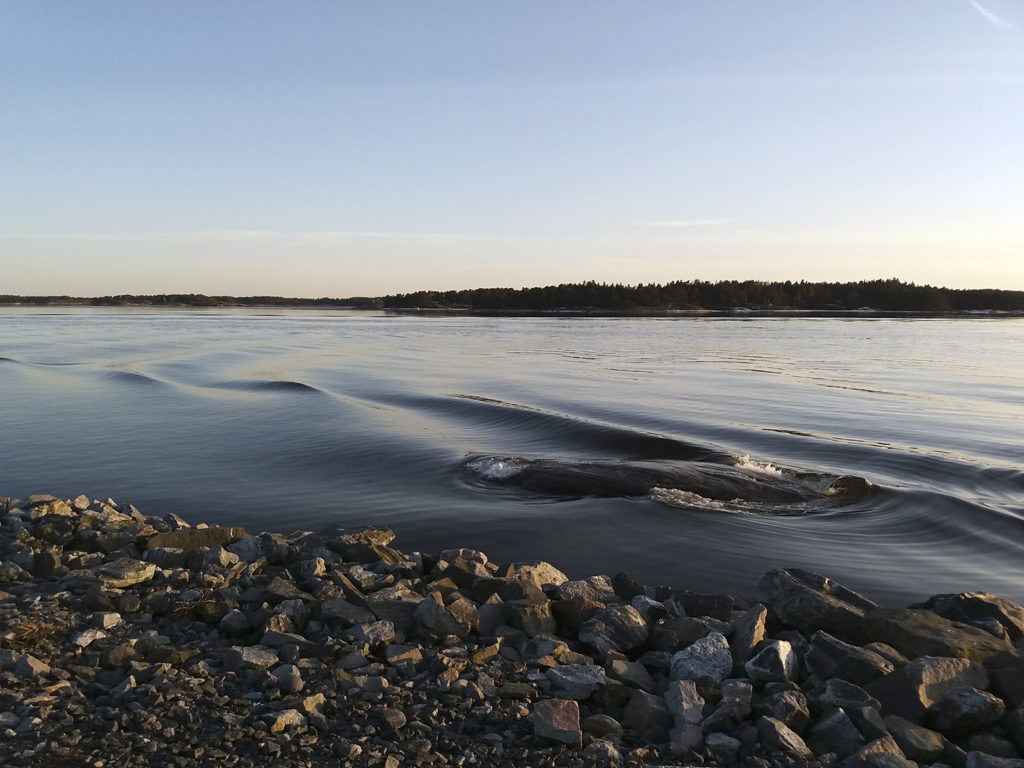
(136,640)
(871,297)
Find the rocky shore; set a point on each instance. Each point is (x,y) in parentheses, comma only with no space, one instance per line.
(133,640)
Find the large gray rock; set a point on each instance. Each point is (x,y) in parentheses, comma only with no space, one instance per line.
(123,573)
(789,707)
(836,733)
(830,657)
(707,661)
(459,618)
(976,607)
(734,707)
(648,715)
(917,742)
(616,628)
(747,631)
(910,691)
(809,601)
(558,720)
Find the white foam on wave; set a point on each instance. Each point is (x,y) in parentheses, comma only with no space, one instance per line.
(674,497)
(495,468)
(761,467)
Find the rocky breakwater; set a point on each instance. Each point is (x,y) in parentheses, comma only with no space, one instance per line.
(128,639)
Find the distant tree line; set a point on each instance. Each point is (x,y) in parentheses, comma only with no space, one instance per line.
(884,295)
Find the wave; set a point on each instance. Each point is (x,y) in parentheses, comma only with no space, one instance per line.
(266,385)
(742,486)
(133,378)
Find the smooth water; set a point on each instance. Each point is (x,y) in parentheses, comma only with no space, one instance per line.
(696,452)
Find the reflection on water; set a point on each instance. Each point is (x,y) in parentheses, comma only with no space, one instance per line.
(694,452)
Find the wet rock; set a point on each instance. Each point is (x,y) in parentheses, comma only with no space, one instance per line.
(706,661)
(558,720)
(910,691)
(616,628)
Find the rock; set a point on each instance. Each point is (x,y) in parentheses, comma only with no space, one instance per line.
(648,715)
(288,678)
(576,681)
(704,604)
(373,634)
(776,737)
(192,539)
(966,710)
(747,632)
(616,628)
(88,636)
(684,704)
(829,657)
(981,760)
(459,618)
(686,738)
(706,661)
(974,607)
(880,753)
(917,633)
(910,691)
(537,572)
(789,707)
(601,725)
(775,662)
(1006,670)
(836,732)
(602,754)
(631,673)
(918,743)
(596,589)
(811,602)
(532,618)
(123,573)
(249,657)
(651,610)
(558,720)
(734,707)
(285,719)
(234,623)
(839,693)
(723,747)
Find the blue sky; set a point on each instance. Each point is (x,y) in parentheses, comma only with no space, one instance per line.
(342,148)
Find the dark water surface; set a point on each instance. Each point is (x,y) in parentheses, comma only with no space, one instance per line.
(886,453)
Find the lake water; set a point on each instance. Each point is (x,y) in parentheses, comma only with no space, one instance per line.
(695,452)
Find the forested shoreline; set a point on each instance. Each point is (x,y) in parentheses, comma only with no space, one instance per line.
(691,295)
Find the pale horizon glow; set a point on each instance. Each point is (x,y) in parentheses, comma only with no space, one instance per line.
(344,149)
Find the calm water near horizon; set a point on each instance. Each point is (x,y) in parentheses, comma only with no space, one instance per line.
(696,452)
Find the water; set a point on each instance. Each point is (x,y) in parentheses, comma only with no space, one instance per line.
(888,454)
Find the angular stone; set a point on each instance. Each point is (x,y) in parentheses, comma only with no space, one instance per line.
(706,661)
(288,678)
(285,719)
(1006,670)
(192,539)
(631,673)
(839,693)
(235,623)
(532,618)
(685,705)
(775,663)
(811,602)
(747,631)
(396,604)
(975,607)
(831,657)
(602,754)
(374,633)
(918,743)
(910,691)
(572,613)
(776,737)
(434,615)
(616,628)
(704,604)
(880,753)
(249,657)
(576,681)
(835,732)
(88,636)
(125,573)
(966,710)
(734,708)
(789,707)
(686,738)
(648,715)
(601,726)
(537,572)
(165,557)
(982,760)
(597,589)
(917,633)
(558,720)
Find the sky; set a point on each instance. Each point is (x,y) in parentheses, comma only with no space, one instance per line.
(360,149)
